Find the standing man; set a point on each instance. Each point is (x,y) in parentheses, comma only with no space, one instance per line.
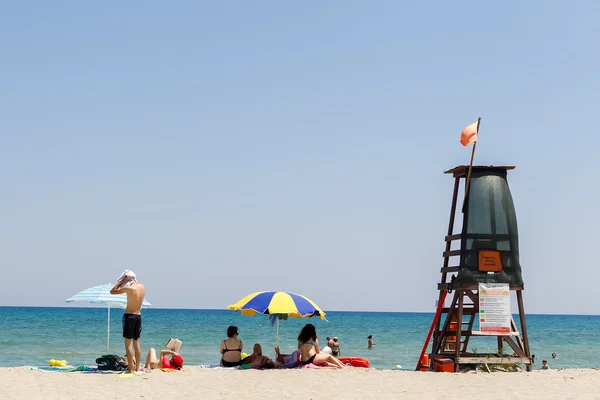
(132,318)
(335,347)
(329,342)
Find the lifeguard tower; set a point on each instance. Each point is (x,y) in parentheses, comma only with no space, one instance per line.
(485,251)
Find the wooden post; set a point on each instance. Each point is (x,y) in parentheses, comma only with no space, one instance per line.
(451,224)
(459,325)
(440,341)
(470,167)
(523,326)
(435,321)
(448,244)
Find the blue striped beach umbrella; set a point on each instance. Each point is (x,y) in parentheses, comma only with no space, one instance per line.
(101,295)
(278,305)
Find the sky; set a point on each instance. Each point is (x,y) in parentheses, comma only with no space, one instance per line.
(222,148)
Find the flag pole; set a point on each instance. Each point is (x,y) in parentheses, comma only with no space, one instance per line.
(471,166)
(108,333)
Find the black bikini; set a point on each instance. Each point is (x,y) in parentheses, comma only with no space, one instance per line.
(310,360)
(231,363)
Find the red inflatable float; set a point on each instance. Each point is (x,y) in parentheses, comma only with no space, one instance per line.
(355,361)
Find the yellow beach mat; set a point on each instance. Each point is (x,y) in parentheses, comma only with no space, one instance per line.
(129,374)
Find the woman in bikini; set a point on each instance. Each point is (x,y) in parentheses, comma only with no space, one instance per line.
(231,349)
(370,343)
(308,344)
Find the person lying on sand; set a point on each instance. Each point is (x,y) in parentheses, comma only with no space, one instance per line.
(257,360)
(287,360)
(152,362)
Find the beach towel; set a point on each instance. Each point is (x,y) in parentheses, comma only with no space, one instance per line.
(317,366)
(92,370)
(291,361)
(127,274)
(67,368)
(217,366)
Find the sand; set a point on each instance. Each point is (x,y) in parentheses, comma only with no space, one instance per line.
(355,383)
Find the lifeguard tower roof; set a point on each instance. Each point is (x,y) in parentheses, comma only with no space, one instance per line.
(462,170)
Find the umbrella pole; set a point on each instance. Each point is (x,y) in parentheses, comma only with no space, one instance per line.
(277,334)
(108,334)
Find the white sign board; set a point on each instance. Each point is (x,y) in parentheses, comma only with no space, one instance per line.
(494,309)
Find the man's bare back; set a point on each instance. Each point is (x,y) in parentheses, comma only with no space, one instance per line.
(135,295)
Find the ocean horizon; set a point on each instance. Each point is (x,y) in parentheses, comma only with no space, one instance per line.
(32,335)
(75,305)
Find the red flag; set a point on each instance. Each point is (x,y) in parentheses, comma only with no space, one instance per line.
(469,134)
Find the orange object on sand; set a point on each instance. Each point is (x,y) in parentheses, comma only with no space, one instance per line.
(355,361)
(443,365)
(451,341)
(425,366)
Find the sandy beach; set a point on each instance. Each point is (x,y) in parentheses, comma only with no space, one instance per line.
(196,382)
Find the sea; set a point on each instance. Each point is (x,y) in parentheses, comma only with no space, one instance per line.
(31,336)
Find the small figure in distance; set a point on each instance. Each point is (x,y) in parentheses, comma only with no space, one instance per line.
(545,364)
(308,344)
(329,342)
(533,358)
(231,348)
(132,318)
(371,342)
(152,362)
(554,355)
(335,347)
(327,348)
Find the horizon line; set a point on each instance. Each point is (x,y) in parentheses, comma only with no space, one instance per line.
(226,309)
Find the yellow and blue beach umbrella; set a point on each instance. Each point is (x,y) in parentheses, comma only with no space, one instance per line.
(278,305)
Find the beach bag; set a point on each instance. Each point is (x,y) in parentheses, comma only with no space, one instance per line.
(111,362)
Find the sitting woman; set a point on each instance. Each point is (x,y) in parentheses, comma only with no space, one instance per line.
(152,362)
(308,344)
(231,349)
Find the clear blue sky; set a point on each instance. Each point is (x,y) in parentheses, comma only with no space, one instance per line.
(219,148)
